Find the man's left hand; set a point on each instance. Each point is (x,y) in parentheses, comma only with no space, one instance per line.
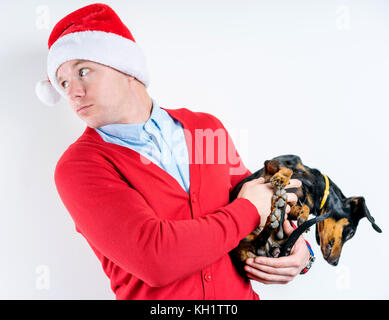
(279,270)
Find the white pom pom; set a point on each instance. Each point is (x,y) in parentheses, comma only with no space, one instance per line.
(47,93)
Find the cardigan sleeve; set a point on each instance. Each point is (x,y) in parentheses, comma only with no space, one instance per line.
(119,223)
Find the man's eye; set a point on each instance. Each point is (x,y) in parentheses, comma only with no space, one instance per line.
(64,84)
(83,71)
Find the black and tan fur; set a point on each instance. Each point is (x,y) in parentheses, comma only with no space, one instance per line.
(331,233)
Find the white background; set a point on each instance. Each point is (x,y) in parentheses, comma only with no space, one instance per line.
(302,77)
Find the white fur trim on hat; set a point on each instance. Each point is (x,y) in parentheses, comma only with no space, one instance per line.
(98,46)
(47,93)
(106,48)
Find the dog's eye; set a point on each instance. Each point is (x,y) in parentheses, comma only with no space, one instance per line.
(350,234)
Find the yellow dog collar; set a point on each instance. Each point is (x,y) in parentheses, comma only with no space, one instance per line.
(326,191)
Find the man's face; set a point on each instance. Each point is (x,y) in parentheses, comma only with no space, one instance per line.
(102,88)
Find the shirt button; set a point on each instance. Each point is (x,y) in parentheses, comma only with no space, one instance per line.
(207,277)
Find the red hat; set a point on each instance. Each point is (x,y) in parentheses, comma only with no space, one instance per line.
(94,33)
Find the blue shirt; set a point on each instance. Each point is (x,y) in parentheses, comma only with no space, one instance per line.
(160,139)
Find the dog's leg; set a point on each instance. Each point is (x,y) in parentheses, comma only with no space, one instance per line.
(279,181)
(257,244)
(260,242)
(246,248)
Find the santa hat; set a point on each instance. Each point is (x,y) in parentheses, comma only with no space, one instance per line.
(94,33)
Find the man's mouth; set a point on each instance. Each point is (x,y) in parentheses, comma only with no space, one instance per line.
(83,107)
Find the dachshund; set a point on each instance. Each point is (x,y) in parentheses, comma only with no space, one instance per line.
(336,216)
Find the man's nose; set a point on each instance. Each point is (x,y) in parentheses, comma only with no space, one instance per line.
(76,89)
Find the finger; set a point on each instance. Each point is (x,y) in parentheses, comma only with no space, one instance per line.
(294,183)
(281,262)
(257,268)
(292,198)
(288,228)
(300,242)
(249,275)
(261,180)
(265,277)
(287,210)
(256,180)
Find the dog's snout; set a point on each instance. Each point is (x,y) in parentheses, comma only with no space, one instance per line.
(330,244)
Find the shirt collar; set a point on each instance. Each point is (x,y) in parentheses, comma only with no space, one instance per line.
(136,131)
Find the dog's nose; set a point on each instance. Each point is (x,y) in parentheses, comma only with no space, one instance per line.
(334,262)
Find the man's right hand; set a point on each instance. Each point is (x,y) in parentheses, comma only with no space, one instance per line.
(261,193)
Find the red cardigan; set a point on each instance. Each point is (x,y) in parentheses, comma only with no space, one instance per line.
(154,240)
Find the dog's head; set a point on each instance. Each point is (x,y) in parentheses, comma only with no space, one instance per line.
(333,232)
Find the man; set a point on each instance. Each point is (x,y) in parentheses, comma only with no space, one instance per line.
(138,183)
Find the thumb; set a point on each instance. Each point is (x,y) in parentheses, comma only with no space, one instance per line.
(261,180)
(288,229)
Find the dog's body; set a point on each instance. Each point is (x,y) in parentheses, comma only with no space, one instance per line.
(341,214)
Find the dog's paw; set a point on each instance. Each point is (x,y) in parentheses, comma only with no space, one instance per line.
(299,213)
(249,254)
(303,215)
(275,252)
(281,178)
(244,251)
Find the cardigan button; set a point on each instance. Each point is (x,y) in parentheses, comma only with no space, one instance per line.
(194,197)
(208,277)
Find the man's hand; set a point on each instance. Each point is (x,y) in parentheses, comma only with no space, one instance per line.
(261,193)
(279,270)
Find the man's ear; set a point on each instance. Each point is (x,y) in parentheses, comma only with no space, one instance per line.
(359,210)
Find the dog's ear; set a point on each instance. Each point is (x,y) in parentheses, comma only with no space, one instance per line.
(359,210)
(317,237)
(271,167)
